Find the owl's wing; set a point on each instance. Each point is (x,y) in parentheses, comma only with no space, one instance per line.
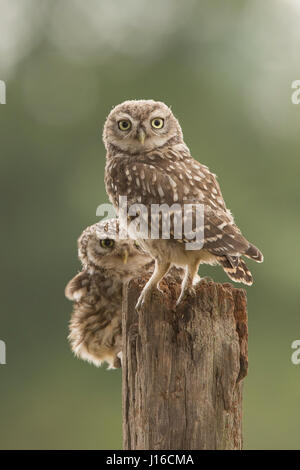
(221,235)
(78,286)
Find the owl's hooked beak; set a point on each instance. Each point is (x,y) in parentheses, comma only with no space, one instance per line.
(141,136)
(124,255)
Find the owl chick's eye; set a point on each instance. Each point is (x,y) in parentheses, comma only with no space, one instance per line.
(124,125)
(157,123)
(107,243)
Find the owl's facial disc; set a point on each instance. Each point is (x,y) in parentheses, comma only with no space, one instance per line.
(112,254)
(140,126)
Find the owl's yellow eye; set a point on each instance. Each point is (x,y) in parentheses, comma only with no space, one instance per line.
(107,243)
(157,123)
(124,125)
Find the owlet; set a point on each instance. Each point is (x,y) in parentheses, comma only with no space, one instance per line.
(108,262)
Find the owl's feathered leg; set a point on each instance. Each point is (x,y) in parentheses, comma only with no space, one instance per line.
(159,272)
(188,280)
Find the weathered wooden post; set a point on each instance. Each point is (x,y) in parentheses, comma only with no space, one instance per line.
(183,367)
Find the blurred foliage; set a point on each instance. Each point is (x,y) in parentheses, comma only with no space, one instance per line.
(226,69)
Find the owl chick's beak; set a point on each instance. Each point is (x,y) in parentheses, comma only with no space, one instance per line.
(124,255)
(141,136)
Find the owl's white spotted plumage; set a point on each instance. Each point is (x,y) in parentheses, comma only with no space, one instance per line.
(148,161)
(108,262)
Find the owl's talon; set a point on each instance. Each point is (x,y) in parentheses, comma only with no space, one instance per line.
(180,298)
(145,295)
(140,302)
(160,290)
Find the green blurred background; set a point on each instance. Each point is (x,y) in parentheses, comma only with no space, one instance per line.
(226,69)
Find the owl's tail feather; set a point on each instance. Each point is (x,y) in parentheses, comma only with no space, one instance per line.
(238,272)
(254,253)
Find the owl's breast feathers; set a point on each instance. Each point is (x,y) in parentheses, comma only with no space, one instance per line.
(170,175)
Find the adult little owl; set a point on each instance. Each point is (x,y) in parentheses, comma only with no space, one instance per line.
(148,161)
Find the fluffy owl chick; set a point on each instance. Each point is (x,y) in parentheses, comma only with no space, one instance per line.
(108,262)
(148,161)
